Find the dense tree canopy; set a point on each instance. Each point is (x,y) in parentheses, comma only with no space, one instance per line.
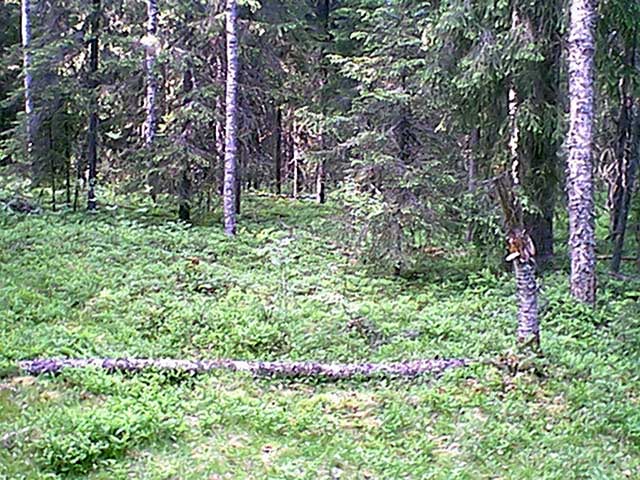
(405,112)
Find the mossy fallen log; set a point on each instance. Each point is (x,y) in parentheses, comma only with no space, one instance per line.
(281,369)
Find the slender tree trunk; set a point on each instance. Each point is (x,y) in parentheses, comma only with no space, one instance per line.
(151,121)
(231,135)
(627,158)
(277,150)
(472,171)
(324,10)
(184,185)
(630,168)
(238,184)
(580,187)
(618,184)
(320,182)
(52,168)
(28,81)
(67,164)
(92,140)
(152,82)
(296,175)
(184,196)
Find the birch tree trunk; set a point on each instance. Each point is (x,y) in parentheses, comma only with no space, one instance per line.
(580,188)
(231,127)
(92,135)
(28,77)
(152,82)
(220,107)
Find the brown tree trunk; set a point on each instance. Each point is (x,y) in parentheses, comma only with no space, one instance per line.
(52,167)
(626,162)
(320,182)
(92,140)
(472,171)
(184,196)
(629,169)
(277,150)
(231,137)
(184,185)
(580,187)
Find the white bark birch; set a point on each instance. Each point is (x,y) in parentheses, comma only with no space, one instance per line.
(152,82)
(580,188)
(28,77)
(231,125)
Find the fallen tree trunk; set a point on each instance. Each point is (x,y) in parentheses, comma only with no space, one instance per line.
(285,369)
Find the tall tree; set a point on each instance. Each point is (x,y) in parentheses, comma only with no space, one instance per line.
(619,75)
(28,77)
(231,125)
(151,43)
(323,9)
(92,135)
(580,185)
(151,120)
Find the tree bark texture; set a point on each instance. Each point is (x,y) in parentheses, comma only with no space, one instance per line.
(231,126)
(335,371)
(152,82)
(92,134)
(184,185)
(323,12)
(277,149)
(628,170)
(580,187)
(528,332)
(28,77)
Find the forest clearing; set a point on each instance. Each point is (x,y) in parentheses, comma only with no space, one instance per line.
(127,284)
(319,239)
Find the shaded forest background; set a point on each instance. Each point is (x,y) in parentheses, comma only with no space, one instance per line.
(401,108)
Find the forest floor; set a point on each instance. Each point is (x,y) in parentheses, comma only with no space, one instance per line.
(129,282)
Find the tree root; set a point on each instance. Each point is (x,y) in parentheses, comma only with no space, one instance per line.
(281,369)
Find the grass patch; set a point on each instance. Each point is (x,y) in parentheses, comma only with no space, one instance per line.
(130,282)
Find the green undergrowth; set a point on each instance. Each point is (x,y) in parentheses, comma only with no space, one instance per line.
(131,281)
